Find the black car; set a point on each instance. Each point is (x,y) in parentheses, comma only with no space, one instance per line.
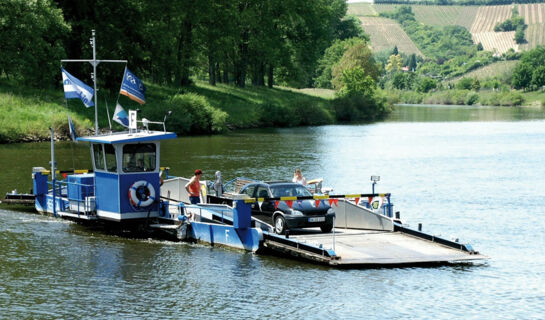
(302,214)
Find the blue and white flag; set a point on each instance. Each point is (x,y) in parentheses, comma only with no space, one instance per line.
(72,129)
(74,88)
(133,88)
(121,116)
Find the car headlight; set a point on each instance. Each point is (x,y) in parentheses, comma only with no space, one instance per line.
(330,211)
(296,212)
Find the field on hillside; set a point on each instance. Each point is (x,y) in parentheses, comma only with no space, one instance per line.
(386,33)
(482,29)
(362,9)
(535,35)
(532,13)
(488,16)
(534,17)
(500,69)
(437,15)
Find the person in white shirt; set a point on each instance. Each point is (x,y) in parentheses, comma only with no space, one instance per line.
(298,177)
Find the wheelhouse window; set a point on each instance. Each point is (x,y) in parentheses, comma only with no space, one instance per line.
(98,154)
(139,157)
(111,163)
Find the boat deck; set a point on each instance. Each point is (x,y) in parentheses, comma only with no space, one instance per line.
(368,247)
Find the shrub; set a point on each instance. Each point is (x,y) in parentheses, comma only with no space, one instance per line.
(471,98)
(191,113)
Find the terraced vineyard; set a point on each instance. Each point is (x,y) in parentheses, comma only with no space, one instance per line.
(386,33)
(532,13)
(535,35)
(534,16)
(482,29)
(487,17)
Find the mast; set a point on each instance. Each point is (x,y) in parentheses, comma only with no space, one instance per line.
(94,62)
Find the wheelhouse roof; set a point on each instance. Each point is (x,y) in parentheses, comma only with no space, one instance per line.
(129,137)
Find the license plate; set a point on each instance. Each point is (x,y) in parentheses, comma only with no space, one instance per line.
(316,219)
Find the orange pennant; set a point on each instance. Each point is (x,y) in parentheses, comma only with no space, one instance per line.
(64,175)
(357,200)
(276,202)
(289,203)
(335,201)
(370,199)
(318,203)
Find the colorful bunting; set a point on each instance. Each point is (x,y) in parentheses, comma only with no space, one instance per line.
(335,201)
(318,203)
(276,202)
(289,203)
(357,200)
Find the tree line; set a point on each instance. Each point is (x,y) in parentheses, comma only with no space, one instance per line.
(262,42)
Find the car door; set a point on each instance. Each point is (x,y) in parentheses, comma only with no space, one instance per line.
(266,210)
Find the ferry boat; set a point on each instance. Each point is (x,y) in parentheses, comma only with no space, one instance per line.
(125,190)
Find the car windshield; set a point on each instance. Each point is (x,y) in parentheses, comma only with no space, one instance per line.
(290,191)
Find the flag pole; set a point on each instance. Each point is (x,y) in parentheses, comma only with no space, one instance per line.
(108,113)
(94,63)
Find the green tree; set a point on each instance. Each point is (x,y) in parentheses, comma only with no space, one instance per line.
(331,57)
(538,77)
(426,84)
(412,62)
(356,83)
(395,63)
(31,37)
(465,84)
(359,55)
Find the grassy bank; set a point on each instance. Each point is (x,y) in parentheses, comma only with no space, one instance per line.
(26,113)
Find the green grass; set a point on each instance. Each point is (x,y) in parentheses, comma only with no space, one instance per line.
(26,113)
(501,70)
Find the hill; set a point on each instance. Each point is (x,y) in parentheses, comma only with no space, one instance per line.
(387,33)
(501,70)
(479,20)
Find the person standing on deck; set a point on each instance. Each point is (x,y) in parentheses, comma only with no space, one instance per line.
(298,177)
(193,187)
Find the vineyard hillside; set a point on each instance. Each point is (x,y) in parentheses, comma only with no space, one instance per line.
(482,29)
(479,20)
(437,15)
(534,16)
(386,34)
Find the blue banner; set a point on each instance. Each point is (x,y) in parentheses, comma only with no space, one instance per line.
(74,88)
(133,87)
(121,116)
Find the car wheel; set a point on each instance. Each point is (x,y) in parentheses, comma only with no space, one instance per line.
(280,224)
(326,228)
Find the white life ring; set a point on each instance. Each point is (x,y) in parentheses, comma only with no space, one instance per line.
(376,203)
(141,194)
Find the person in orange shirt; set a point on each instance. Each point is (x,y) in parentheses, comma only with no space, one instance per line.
(193,187)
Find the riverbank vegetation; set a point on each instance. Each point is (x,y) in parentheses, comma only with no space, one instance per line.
(215,64)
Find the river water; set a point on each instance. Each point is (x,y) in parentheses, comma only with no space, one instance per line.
(474,173)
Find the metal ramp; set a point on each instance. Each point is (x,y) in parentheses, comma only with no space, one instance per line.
(369,247)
